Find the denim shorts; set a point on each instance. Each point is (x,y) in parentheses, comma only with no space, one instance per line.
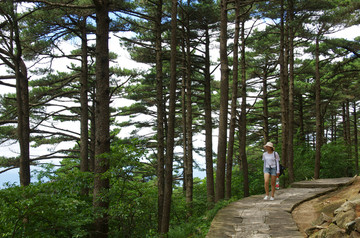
(271,171)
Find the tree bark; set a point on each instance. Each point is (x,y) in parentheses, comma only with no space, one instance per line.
(183,102)
(23,125)
(84,125)
(318,110)
(92,132)
(348,140)
(301,120)
(102,120)
(344,124)
(356,145)
(347,107)
(290,145)
(22,102)
(265,108)
(189,117)
(243,121)
(171,124)
(208,124)
(283,86)
(224,90)
(160,113)
(233,102)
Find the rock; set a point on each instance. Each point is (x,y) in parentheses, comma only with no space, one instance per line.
(334,231)
(350,226)
(319,234)
(353,225)
(323,220)
(357,210)
(314,229)
(354,234)
(357,224)
(321,223)
(347,206)
(341,219)
(346,213)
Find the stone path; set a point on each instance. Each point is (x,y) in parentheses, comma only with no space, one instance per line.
(254,217)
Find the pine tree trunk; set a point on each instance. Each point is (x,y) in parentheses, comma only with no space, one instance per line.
(92,132)
(283,86)
(102,120)
(171,124)
(22,101)
(345,131)
(348,133)
(84,132)
(189,117)
(234,93)
(356,146)
(160,113)
(208,125)
(265,108)
(84,108)
(183,104)
(318,111)
(302,138)
(243,121)
(224,90)
(348,139)
(290,156)
(333,128)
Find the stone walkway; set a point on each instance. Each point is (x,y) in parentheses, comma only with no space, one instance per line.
(254,217)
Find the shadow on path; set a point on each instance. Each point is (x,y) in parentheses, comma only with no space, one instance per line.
(254,217)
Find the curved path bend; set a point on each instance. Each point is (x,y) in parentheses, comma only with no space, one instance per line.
(256,218)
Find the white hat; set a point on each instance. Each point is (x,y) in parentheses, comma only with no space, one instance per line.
(269,144)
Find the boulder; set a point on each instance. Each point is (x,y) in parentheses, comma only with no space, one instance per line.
(347,206)
(343,218)
(346,213)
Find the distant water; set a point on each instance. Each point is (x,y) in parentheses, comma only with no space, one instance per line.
(12,176)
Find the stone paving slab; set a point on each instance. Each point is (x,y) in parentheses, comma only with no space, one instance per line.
(252,217)
(323,183)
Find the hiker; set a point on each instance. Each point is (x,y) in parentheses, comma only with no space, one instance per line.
(271,169)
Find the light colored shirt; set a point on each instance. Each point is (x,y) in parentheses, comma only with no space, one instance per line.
(271,161)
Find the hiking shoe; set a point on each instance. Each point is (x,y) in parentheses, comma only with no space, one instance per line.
(272,199)
(266,197)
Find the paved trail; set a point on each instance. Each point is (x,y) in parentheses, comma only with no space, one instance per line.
(254,217)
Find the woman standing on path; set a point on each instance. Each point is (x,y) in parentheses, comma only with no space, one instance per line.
(271,169)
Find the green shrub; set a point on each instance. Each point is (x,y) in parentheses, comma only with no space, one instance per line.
(43,210)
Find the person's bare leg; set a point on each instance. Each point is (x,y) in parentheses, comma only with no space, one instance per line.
(273,182)
(266,183)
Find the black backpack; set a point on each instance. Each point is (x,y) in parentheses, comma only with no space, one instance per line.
(282,168)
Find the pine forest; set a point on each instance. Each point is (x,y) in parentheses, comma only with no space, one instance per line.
(143,118)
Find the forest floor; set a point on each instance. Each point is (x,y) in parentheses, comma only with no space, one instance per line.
(306,213)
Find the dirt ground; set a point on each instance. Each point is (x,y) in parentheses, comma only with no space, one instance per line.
(306,214)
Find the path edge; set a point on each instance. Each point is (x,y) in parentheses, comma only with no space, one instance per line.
(333,189)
